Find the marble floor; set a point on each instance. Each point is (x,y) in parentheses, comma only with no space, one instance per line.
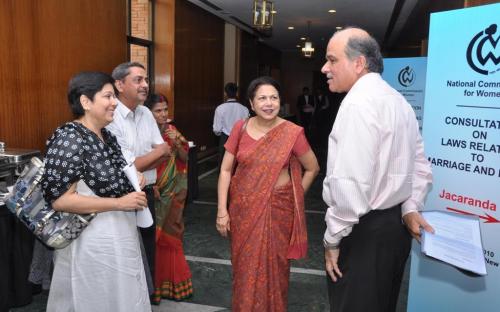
(208,256)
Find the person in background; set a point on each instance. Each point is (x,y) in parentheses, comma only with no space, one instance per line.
(322,116)
(102,269)
(265,219)
(377,174)
(172,274)
(306,106)
(140,139)
(226,115)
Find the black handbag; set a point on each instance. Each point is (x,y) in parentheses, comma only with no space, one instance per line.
(55,229)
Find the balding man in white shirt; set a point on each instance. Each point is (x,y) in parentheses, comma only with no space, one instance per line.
(377,174)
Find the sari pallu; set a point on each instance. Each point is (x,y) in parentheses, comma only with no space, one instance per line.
(172,274)
(267,222)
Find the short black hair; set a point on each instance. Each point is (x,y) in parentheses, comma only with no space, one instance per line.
(88,84)
(257,82)
(231,89)
(153,99)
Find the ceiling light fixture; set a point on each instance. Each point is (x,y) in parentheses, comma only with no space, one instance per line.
(308,49)
(338,28)
(263,11)
(332,11)
(291,27)
(303,38)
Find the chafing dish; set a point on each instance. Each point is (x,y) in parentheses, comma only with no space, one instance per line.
(20,155)
(12,162)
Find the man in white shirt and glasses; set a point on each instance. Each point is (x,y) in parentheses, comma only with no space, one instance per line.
(139,137)
(226,115)
(377,175)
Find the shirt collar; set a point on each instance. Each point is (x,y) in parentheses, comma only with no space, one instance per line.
(123,110)
(366,79)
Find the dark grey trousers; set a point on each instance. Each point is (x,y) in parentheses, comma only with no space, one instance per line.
(372,260)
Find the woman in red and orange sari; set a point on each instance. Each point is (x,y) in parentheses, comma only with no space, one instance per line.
(172,275)
(265,219)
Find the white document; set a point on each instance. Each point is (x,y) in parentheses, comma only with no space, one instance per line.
(144,218)
(457,240)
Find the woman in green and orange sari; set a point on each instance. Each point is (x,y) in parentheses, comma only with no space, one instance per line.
(172,275)
(265,219)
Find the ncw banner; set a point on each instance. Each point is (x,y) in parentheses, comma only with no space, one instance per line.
(461,132)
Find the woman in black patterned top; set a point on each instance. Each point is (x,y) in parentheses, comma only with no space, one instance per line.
(101,270)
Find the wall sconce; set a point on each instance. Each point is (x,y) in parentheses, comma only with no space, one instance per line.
(263,12)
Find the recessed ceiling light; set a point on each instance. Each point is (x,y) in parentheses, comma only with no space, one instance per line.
(298,46)
(338,27)
(331,11)
(291,27)
(303,38)
(274,12)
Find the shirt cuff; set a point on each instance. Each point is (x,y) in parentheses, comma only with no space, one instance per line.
(330,246)
(333,241)
(410,206)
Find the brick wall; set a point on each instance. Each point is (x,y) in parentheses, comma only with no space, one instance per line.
(140,28)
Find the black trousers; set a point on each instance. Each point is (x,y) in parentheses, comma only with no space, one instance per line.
(149,234)
(372,260)
(222,140)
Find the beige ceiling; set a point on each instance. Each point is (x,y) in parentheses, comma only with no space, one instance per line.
(373,15)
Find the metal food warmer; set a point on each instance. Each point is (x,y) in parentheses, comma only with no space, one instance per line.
(16,241)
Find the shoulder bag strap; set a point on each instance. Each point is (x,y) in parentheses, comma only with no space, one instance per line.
(243,127)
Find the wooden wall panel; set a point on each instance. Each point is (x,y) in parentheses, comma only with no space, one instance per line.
(471,3)
(256,60)
(164,51)
(44,43)
(249,64)
(199,72)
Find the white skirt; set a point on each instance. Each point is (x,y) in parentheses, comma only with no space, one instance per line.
(101,270)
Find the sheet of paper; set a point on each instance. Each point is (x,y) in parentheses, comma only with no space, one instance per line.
(144,218)
(457,240)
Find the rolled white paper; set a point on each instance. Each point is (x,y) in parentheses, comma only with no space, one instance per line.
(144,218)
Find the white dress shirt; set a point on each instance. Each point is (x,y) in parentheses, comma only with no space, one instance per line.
(375,157)
(227,114)
(136,132)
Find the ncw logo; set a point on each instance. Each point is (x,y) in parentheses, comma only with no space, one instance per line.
(482,51)
(406,76)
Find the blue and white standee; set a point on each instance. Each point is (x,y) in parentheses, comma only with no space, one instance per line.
(462,140)
(407,75)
